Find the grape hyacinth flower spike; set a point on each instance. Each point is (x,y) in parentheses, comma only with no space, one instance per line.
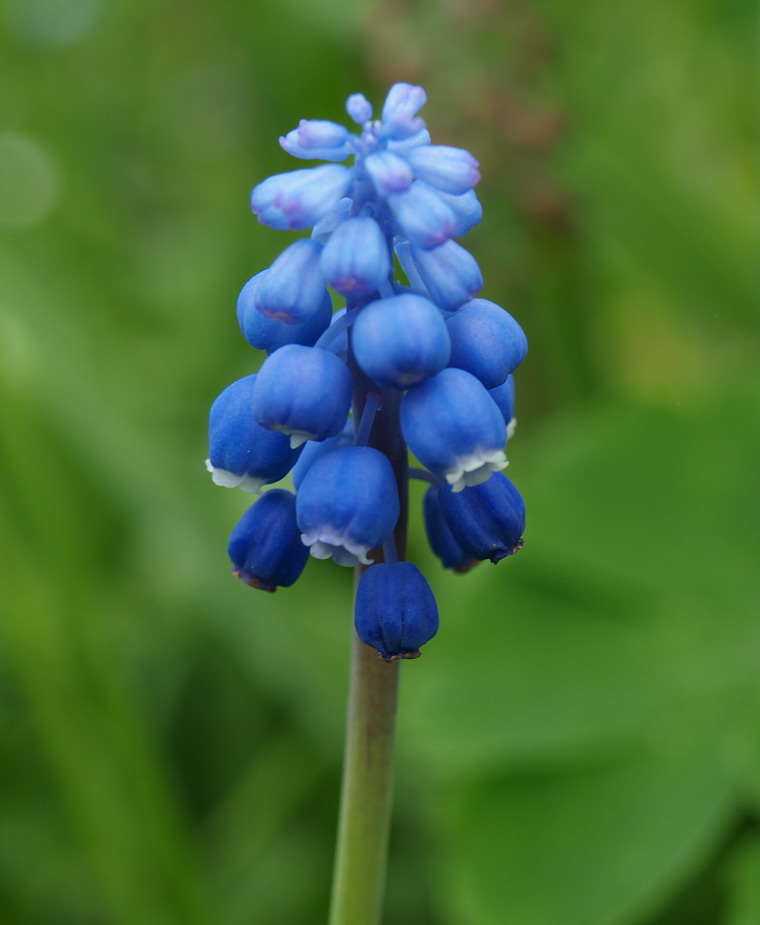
(378,347)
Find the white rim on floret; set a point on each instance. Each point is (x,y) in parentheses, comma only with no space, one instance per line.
(297,437)
(228,479)
(331,544)
(511,428)
(475,469)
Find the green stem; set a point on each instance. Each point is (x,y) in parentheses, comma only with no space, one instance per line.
(365,807)
(361,855)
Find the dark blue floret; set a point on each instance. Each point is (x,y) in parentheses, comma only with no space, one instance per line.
(395,610)
(265,547)
(441,539)
(487,520)
(241,452)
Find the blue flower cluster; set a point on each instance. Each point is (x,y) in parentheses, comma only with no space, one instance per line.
(429,358)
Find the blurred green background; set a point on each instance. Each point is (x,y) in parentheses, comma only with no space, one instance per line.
(580,745)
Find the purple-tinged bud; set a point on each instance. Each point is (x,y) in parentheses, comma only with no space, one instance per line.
(440,537)
(355,259)
(401,340)
(388,172)
(304,392)
(449,272)
(504,396)
(401,106)
(268,334)
(347,504)
(325,226)
(317,139)
(487,520)
(359,108)
(453,427)
(452,170)
(300,198)
(466,208)
(292,290)
(241,452)
(422,216)
(486,341)
(312,450)
(265,547)
(395,611)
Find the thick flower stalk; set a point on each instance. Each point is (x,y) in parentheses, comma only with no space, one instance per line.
(409,361)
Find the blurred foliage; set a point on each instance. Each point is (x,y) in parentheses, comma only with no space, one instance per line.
(581,743)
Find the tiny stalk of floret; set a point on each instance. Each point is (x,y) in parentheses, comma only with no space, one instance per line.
(367,789)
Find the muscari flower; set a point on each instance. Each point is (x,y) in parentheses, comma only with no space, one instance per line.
(265,547)
(433,341)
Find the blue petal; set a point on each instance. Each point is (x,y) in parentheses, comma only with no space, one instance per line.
(441,539)
(355,260)
(449,273)
(317,139)
(313,449)
(422,216)
(347,504)
(395,610)
(400,108)
(359,108)
(504,396)
(293,290)
(486,341)
(388,172)
(300,198)
(466,208)
(265,547)
(401,340)
(452,170)
(454,428)
(241,452)
(269,334)
(487,520)
(304,392)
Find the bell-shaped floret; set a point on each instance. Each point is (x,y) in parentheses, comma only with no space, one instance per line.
(265,547)
(355,260)
(486,341)
(440,537)
(487,520)
(449,273)
(401,340)
(268,334)
(241,452)
(313,449)
(292,290)
(359,108)
(300,198)
(347,504)
(395,611)
(304,392)
(452,170)
(504,396)
(401,106)
(317,139)
(423,218)
(388,172)
(466,208)
(453,427)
